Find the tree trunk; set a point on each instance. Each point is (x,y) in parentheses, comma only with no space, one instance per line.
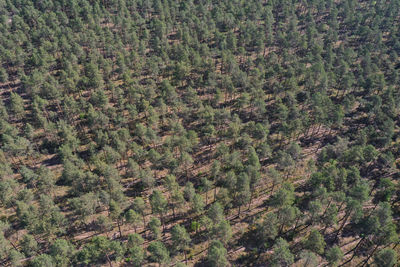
(370,255)
(162,222)
(354,249)
(108,260)
(327,207)
(144,221)
(342,226)
(280,229)
(119,228)
(251,198)
(186,260)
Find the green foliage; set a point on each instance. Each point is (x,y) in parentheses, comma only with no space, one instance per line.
(154,225)
(158,202)
(29,245)
(282,255)
(100,249)
(385,257)
(217,254)
(180,238)
(315,242)
(268,228)
(42,260)
(16,258)
(136,255)
(3,75)
(334,255)
(62,252)
(222,231)
(189,191)
(133,218)
(85,205)
(4,245)
(287,110)
(158,252)
(308,258)
(284,196)
(197,204)
(135,240)
(17,105)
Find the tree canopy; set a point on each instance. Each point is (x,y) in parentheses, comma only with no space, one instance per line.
(218,133)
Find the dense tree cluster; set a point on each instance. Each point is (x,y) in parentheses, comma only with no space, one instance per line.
(222,132)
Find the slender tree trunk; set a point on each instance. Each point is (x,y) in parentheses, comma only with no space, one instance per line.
(342,226)
(354,253)
(340,206)
(324,230)
(343,93)
(296,223)
(119,228)
(307,131)
(280,229)
(280,140)
(337,93)
(108,260)
(13,245)
(251,198)
(327,206)
(369,256)
(162,222)
(319,127)
(186,260)
(369,166)
(273,187)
